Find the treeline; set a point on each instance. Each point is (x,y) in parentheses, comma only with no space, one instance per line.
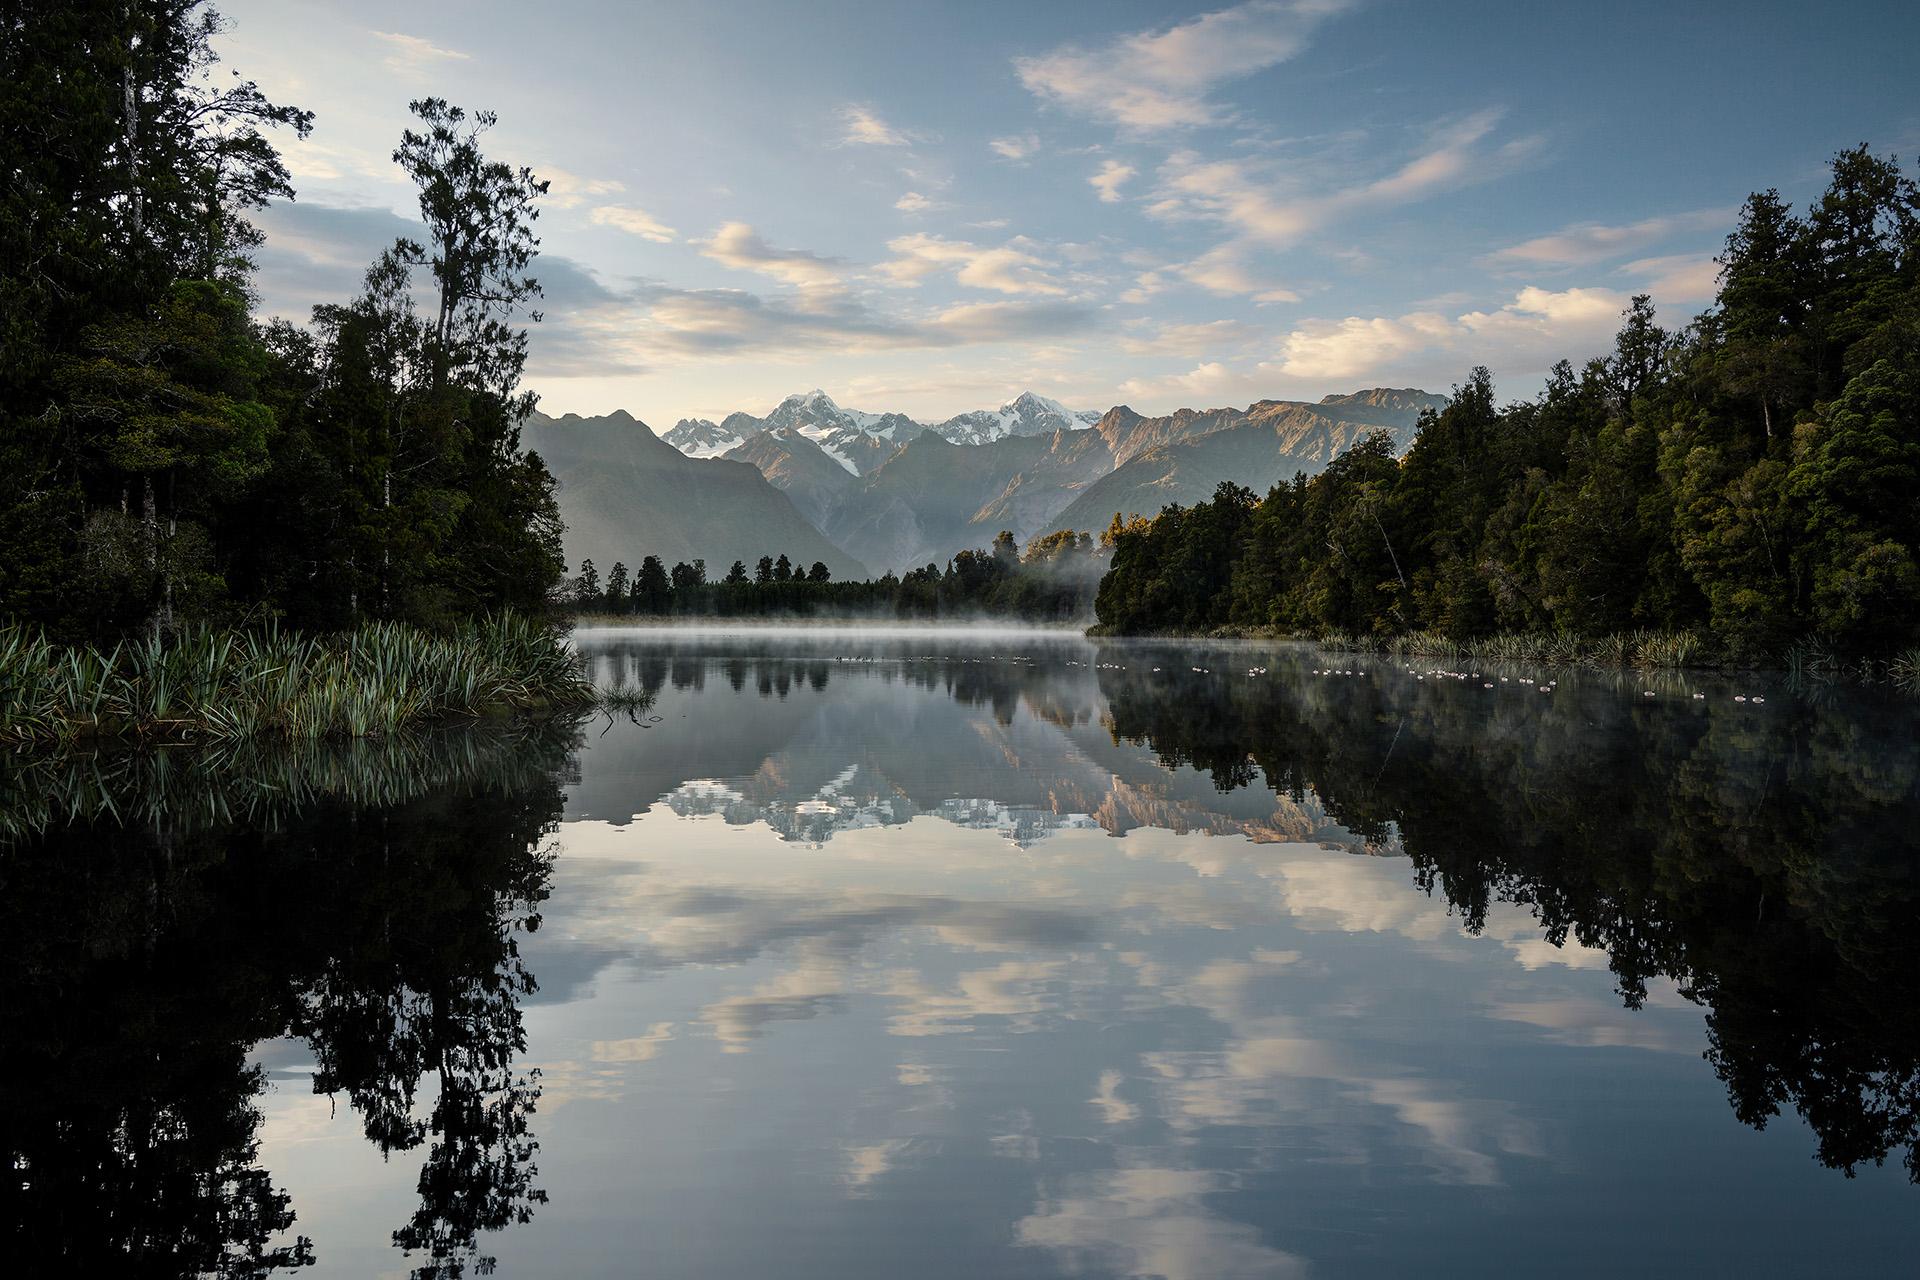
(1052,581)
(166,457)
(1752,476)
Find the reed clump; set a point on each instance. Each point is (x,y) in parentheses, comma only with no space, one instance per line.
(203,684)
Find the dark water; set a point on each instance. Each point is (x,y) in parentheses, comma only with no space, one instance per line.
(1002,956)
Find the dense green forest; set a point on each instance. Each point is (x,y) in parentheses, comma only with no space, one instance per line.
(1053,580)
(165,457)
(1754,477)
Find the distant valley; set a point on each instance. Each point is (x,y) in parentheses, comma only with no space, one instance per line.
(870,492)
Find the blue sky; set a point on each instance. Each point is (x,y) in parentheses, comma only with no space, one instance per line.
(931,208)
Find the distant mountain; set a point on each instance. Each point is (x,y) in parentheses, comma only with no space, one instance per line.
(626,493)
(857,441)
(698,438)
(801,468)
(933,498)
(893,493)
(1184,456)
(1026,415)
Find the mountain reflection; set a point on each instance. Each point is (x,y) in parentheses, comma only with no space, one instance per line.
(163,916)
(1763,860)
(376,918)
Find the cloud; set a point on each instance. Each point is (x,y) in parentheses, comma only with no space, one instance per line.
(1269,208)
(1356,345)
(1586,243)
(1008,268)
(633,221)
(1016,146)
(595,326)
(1155,80)
(1152,1222)
(1204,338)
(635,1049)
(1114,1110)
(914,202)
(738,245)
(1535,328)
(1113,174)
(1145,286)
(566,190)
(863,127)
(1208,383)
(1266,207)
(410,54)
(1223,271)
(656,324)
(1678,277)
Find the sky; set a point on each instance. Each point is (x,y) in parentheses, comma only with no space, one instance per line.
(931,208)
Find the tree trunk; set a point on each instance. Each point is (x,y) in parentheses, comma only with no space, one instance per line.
(130,108)
(150,536)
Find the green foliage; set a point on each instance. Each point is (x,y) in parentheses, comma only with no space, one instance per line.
(206,685)
(167,461)
(1741,483)
(1053,581)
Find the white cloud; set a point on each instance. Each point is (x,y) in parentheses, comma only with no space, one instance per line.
(409,54)
(1145,286)
(637,222)
(1154,80)
(1009,268)
(1204,338)
(1017,146)
(635,1049)
(567,190)
(1586,243)
(914,202)
(1113,174)
(1151,1222)
(738,245)
(1265,206)
(1113,1109)
(1535,328)
(862,126)
(1223,271)
(1204,383)
(1677,277)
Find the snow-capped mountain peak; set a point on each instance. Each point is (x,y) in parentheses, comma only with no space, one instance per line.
(699,438)
(1027,414)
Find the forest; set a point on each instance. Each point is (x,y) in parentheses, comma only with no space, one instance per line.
(1750,479)
(168,458)
(1052,580)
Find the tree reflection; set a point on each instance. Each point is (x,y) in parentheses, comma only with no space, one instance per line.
(1764,863)
(145,963)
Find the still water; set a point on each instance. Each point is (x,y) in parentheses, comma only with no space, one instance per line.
(939,955)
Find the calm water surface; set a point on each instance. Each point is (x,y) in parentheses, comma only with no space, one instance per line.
(990,955)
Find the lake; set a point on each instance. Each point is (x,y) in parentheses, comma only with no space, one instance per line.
(867,955)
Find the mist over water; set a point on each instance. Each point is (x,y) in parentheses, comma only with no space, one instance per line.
(996,951)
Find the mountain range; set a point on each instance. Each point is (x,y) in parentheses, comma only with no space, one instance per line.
(880,491)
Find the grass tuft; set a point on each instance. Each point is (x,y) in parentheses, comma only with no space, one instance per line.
(223,686)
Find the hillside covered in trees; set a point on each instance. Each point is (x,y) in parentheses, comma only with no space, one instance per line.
(1053,580)
(165,458)
(1754,477)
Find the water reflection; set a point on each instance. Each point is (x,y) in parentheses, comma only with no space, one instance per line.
(843,971)
(369,904)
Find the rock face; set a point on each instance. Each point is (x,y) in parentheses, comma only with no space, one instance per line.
(893,493)
(1026,415)
(625,493)
(698,438)
(1184,456)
